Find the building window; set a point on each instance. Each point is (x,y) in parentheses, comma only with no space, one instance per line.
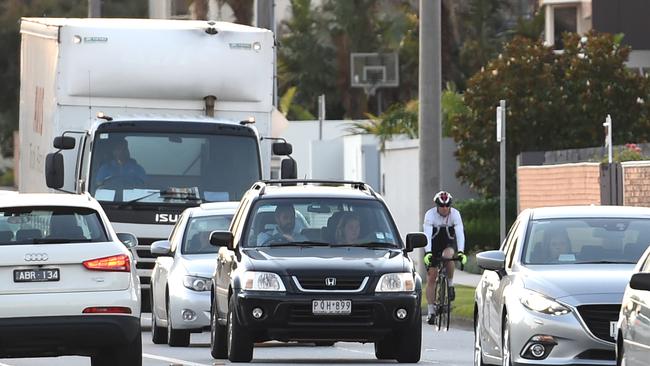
(566,20)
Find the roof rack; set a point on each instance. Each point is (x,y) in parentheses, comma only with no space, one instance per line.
(362,186)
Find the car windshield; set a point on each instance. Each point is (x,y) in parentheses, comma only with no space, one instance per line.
(197,235)
(171,167)
(321,222)
(50,225)
(586,240)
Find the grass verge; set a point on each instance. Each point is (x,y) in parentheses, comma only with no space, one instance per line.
(462,309)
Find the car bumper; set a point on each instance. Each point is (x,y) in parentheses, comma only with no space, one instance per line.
(575,344)
(197,302)
(65,335)
(288,317)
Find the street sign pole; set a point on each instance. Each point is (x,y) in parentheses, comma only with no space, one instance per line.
(608,137)
(501,139)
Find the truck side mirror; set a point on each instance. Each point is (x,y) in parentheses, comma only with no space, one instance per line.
(54,170)
(64,142)
(282,148)
(288,169)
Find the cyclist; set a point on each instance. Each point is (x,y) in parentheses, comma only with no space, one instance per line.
(443,227)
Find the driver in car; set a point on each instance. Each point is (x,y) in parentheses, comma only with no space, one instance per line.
(121,167)
(285,231)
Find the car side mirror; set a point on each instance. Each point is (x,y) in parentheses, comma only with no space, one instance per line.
(282,148)
(54,170)
(288,169)
(161,248)
(415,240)
(128,239)
(64,142)
(222,239)
(640,281)
(493,260)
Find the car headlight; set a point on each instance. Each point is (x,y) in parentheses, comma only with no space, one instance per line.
(263,281)
(197,283)
(396,282)
(542,304)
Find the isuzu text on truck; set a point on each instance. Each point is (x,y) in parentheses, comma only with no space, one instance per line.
(148,116)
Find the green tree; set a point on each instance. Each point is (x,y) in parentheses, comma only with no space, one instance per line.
(555,101)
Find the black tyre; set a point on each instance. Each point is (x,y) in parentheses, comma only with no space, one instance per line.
(176,337)
(620,352)
(124,355)
(158,334)
(444,308)
(218,340)
(385,349)
(410,342)
(324,343)
(505,345)
(478,347)
(240,344)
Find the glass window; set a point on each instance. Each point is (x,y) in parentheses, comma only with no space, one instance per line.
(44,225)
(197,235)
(324,221)
(566,20)
(172,168)
(595,240)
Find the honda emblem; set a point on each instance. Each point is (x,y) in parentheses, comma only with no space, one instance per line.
(330,281)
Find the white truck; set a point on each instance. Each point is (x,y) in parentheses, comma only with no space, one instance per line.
(179,96)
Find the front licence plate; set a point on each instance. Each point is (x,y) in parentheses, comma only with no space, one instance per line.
(612,329)
(36,275)
(331,307)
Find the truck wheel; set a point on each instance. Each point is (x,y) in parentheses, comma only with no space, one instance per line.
(385,349)
(218,345)
(176,337)
(240,344)
(410,342)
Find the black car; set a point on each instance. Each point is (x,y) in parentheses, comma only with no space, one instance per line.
(315,261)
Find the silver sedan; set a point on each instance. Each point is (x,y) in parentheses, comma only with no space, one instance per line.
(181,278)
(551,295)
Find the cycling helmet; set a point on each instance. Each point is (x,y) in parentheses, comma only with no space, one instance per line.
(443,199)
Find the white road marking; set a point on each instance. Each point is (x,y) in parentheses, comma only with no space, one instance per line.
(5,364)
(373,354)
(167,359)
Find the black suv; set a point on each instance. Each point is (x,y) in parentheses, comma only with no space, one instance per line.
(317,261)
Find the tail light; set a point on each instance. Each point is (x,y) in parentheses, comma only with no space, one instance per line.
(107,310)
(115,263)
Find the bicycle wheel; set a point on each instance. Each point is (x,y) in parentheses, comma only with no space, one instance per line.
(442,295)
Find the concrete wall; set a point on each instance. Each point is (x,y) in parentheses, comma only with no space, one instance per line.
(636,190)
(558,185)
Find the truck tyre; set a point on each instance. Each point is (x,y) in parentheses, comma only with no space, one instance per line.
(123,355)
(410,342)
(218,345)
(385,349)
(176,337)
(240,344)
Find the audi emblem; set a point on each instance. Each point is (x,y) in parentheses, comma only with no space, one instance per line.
(330,281)
(36,257)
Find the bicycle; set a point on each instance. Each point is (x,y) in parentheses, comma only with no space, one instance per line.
(441,290)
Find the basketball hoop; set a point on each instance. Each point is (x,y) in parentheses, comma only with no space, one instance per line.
(372,71)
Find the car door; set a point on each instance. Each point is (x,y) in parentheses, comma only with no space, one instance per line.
(227,261)
(637,345)
(164,266)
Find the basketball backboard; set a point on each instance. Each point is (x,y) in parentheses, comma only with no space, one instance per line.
(374,70)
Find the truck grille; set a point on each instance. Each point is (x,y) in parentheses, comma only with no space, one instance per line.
(361,315)
(320,283)
(598,317)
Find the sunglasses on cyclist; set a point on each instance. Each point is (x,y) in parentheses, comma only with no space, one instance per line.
(444,205)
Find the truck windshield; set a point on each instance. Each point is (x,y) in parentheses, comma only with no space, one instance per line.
(171,167)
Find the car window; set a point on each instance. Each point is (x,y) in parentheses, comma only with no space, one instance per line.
(197,234)
(322,220)
(177,232)
(586,240)
(511,245)
(44,225)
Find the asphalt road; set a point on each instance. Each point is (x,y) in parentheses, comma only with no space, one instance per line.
(453,348)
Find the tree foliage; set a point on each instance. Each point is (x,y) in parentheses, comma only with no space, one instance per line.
(554,101)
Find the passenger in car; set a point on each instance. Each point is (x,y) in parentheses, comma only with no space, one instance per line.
(348,230)
(557,243)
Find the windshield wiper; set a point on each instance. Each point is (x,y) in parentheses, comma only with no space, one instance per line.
(372,244)
(300,243)
(164,193)
(605,262)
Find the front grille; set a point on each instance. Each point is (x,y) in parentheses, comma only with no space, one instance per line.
(597,354)
(319,283)
(598,318)
(361,315)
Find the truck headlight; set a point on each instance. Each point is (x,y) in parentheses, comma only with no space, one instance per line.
(262,281)
(537,302)
(396,282)
(197,283)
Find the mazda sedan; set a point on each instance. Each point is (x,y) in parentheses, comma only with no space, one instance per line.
(552,294)
(181,279)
